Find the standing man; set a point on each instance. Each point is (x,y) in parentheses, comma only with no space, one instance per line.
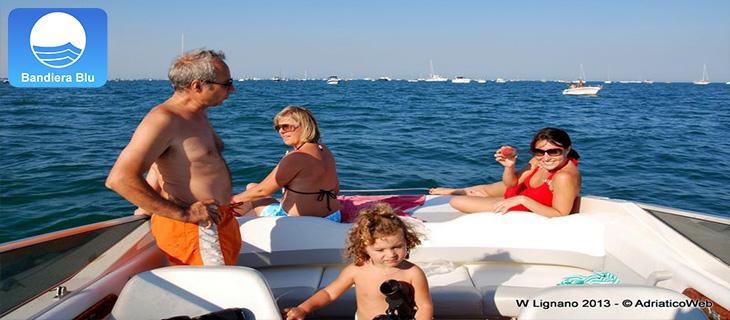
(190,175)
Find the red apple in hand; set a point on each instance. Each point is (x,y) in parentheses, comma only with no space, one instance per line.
(508,152)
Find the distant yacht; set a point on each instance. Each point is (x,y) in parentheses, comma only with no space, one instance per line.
(433,77)
(460,80)
(333,80)
(384,78)
(705,78)
(500,80)
(481,80)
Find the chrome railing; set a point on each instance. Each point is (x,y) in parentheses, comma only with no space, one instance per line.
(386,190)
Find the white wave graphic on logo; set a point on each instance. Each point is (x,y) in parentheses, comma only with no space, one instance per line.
(58,40)
(58,57)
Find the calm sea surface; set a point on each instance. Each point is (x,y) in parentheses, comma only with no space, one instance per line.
(664,144)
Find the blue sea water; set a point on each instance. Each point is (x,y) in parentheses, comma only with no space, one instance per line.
(664,144)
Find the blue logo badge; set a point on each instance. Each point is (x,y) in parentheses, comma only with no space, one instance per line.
(57,47)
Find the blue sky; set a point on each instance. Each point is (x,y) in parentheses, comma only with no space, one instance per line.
(628,40)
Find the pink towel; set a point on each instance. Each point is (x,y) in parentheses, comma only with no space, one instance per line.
(350,205)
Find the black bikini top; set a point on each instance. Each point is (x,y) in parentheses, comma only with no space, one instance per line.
(321,195)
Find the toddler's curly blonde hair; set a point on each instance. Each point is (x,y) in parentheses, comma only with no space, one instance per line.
(373,223)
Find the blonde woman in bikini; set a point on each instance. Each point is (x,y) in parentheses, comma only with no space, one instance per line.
(307,173)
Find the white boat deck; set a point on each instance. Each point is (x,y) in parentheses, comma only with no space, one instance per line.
(478,266)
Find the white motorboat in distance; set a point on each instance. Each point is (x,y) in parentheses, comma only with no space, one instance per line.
(582,91)
(333,80)
(460,80)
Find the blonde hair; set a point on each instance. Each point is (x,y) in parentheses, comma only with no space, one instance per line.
(304,118)
(373,223)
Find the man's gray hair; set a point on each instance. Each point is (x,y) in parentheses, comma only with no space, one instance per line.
(191,66)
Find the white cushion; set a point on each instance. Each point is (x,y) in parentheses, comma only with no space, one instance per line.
(501,284)
(292,285)
(194,291)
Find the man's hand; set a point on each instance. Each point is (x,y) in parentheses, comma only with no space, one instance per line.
(204,211)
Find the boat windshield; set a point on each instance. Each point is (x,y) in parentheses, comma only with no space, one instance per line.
(712,235)
(37,265)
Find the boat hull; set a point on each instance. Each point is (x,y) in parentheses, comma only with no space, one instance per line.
(582,91)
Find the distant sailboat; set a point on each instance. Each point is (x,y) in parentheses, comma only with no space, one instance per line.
(433,77)
(705,78)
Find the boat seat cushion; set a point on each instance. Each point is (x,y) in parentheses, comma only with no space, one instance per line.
(502,284)
(454,294)
(194,291)
(292,285)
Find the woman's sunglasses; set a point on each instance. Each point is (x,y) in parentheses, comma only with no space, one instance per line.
(551,152)
(285,127)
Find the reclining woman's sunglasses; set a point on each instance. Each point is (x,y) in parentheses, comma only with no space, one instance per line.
(551,152)
(286,127)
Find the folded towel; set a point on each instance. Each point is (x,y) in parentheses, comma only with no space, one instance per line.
(597,277)
(402,204)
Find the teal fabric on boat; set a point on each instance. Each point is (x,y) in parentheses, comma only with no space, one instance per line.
(597,277)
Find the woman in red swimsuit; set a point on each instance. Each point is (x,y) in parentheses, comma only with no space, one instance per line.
(548,185)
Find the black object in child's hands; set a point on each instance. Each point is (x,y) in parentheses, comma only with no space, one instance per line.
(401,304)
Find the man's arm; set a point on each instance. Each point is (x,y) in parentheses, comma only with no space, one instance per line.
(152,137)
(153,180)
